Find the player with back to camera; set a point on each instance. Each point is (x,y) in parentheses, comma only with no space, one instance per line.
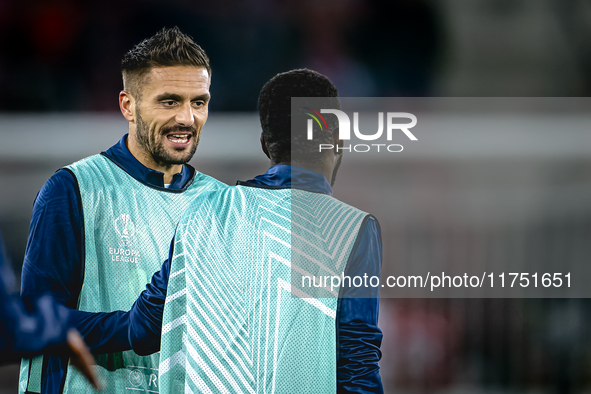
(101,226)
(230,323)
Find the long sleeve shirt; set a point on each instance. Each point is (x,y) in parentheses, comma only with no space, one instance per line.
(54,258)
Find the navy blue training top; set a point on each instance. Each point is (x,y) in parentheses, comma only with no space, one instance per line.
(54,262)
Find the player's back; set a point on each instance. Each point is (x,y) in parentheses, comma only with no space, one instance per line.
(233,322)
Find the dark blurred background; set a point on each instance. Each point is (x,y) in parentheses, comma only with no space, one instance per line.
(59,81)
(73,49)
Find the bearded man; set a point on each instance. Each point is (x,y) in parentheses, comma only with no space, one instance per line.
(102,226)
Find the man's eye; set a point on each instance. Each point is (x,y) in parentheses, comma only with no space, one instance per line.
(168,103)
(198,103)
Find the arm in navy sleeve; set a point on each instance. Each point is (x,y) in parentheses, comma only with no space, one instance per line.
(54,258)
(104,332)
(29,329)
(54,263)
(145,320)
(138,329)
(358,335)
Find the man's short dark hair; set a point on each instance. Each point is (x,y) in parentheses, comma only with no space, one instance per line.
(168,47)
(275,111)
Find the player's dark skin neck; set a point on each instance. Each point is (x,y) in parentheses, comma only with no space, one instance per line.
(326,168)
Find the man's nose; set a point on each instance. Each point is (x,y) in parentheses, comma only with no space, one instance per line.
(184,116)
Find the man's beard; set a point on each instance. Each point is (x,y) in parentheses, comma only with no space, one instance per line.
(156,150)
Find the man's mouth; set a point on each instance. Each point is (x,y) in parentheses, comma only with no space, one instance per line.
(181,139)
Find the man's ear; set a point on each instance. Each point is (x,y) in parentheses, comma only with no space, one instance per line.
(127,105)
(264,146)
(337,143)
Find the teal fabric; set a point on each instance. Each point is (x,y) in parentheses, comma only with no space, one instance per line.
(23,379)
(31,383)
(128,227)
(233,322)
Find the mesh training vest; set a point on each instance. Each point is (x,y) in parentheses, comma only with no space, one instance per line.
(128,227)
(231,323)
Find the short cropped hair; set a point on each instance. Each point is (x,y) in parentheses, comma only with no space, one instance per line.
(168,47)
(275,113)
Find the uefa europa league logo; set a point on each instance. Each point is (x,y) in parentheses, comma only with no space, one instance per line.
(125,228)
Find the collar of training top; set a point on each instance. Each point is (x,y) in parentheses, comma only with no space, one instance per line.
(283,176)
(120,155)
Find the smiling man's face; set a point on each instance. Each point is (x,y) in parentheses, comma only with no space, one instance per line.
(170,115)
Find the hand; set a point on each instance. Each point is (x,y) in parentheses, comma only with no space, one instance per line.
(81,358)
